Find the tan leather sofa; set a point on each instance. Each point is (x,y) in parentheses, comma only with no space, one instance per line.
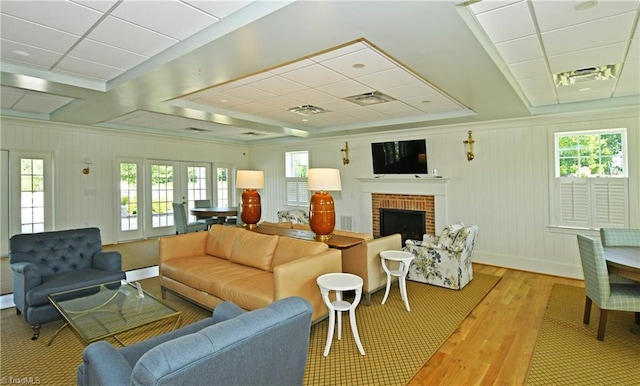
(247,268)
(364,260)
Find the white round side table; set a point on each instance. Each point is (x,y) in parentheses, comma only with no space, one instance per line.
(404,261)
(339,282)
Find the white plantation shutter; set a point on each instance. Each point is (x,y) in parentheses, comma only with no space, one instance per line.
(574,202)
(610,202)
(592,202)
(297,193)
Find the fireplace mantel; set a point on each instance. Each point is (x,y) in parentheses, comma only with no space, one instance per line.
(426,186)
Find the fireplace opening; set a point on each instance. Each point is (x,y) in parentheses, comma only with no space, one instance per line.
(409,223)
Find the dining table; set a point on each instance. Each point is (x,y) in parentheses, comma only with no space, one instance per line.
(623,261)
(221,212)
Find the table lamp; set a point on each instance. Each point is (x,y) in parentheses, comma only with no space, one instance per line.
(322,216)
(250,180)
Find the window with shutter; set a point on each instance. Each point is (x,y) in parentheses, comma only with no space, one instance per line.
(296,167)
(591,184)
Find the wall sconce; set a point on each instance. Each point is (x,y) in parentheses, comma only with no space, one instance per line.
(345,154)
(250,180)
(468,145)
(86,161)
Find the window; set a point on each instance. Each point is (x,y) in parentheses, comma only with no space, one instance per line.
(296,168)
(32,195)
(161,195)
(591,187)
(128,196)
(222,186)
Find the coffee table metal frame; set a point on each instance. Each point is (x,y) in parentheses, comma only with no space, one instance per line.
(112,308)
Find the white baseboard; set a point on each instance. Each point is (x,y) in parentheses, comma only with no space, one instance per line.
(530,265)
(6,301)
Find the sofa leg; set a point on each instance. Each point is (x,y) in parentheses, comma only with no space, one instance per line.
(367,299)
(36,331)
(18,311)
(163,292)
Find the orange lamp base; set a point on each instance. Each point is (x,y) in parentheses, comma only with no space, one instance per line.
(251,208)
(322,215)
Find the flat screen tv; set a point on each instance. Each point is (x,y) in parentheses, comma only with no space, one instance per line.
(400,157)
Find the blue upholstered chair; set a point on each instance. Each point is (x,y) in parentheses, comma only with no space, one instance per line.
(180,220)
(267,346)
(606,295)
(49,262)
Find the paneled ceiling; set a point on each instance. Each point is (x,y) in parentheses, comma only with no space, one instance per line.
(269,70)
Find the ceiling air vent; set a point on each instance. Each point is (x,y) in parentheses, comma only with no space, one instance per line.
(370,98)
(606,72)
(307,110)
(195,130)
(253,134)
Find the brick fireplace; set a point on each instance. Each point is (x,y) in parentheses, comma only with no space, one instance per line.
(404,193)
(424,203)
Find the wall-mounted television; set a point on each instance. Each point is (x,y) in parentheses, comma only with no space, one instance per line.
(400,157)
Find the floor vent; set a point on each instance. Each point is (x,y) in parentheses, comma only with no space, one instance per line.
(346,223)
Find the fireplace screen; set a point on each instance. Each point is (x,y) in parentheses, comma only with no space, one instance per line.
(409,223)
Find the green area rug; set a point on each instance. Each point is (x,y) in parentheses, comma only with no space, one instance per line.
(397,342)
(568,353)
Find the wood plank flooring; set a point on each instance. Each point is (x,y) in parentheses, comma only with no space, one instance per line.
(494,344)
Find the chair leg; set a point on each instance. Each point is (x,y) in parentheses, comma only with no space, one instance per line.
(587,310)
(163,292)
(36,331)
(602,324)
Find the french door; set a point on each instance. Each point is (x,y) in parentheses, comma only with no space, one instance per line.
(169,182)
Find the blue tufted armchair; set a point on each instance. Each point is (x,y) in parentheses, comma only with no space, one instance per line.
(50,262)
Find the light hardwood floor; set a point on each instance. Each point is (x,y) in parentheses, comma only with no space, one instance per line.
(494,344)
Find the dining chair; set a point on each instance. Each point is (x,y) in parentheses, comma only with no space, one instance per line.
(606,295)
(205,204)
(619,237)
(180,220)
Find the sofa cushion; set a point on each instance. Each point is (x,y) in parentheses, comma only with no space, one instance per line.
(220,241)
(69,280)
(251,294)
(253,249)
(207,273)
(289,249)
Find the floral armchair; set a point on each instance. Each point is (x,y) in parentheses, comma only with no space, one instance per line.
(294,216)
(444,260)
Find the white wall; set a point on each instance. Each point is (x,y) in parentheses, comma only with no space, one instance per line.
(505,189)
(71,144)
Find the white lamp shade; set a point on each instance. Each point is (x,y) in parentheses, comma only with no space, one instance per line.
(324,179)
(250,179)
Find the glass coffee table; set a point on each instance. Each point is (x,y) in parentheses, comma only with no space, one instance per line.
(102,311)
